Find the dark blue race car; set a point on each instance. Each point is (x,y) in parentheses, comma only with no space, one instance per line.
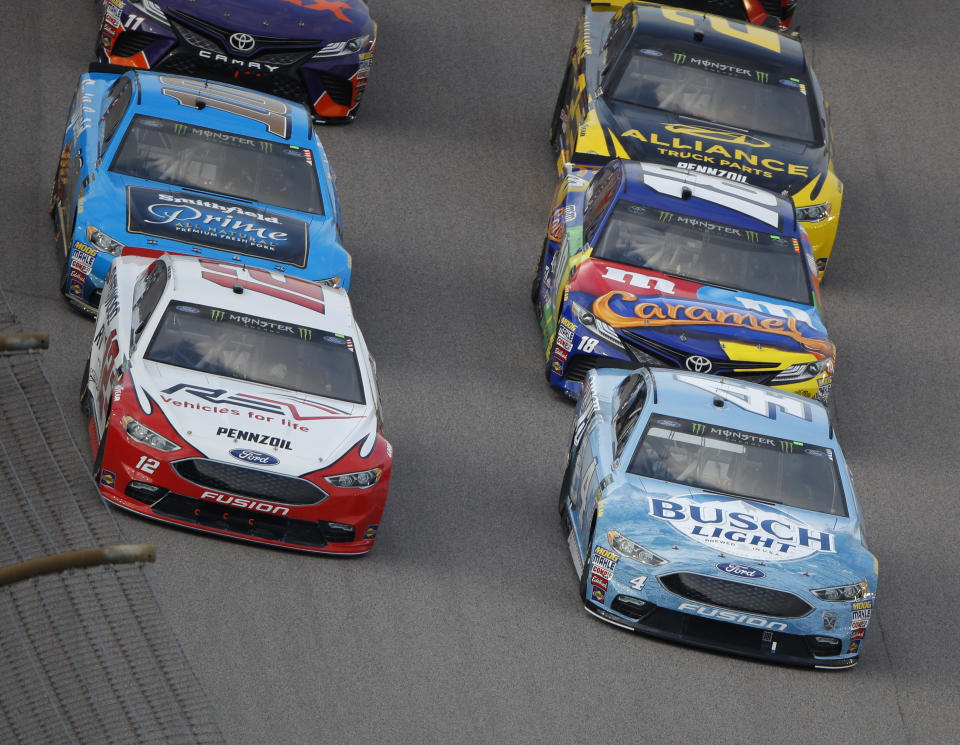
(647,264)
(160,163)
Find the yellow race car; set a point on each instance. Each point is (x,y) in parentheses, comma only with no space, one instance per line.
(704,93)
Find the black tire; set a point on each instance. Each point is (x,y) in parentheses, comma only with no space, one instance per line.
(562,95)
(98,461)
(85,405)
(538,276)
(586,562)
(565,485)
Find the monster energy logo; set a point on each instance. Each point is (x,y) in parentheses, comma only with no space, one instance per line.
(217,315)
(752,235)
(699,429)
(679,58)
(180,129)
(666,216)
(786,447)
(305,334)
(266,147)
(763,77)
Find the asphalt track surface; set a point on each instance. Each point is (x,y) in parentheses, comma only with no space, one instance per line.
(463,624)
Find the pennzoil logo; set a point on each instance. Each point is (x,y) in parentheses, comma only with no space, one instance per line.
(717,135)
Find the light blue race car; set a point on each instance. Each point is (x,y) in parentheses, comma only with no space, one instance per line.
(717,513)
(154,163)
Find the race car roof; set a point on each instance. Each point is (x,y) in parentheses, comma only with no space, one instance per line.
(221,106)
(725,402)
(652,183)
(233,287)
(718,35)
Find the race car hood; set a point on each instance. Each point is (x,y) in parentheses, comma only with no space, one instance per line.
(166,218)
(778,164)
(245,423)
(310,20)
(706,532)
(696,318)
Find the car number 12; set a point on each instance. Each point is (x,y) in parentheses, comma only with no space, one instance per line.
(147,465)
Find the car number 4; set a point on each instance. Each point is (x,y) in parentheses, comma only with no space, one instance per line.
(147,465)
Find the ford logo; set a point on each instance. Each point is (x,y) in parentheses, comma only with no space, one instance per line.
(252,456)
(740,570)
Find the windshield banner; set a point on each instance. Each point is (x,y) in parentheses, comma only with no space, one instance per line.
(217,223)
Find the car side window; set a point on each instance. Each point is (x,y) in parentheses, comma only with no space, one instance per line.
(632,396)
(146,295)
(117,100)
(598,197)
(622,26)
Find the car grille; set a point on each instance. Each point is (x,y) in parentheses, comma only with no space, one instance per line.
(278,84)
(249,482)
(198,40)
(579,365)
(773,7)
(731,8)
(130,43)
(339,89)
(250,524)
(739,596)
(195,39)
(665,356)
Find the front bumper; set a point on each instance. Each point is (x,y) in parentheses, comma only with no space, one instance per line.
(566,370)
(722,636)
(345,523)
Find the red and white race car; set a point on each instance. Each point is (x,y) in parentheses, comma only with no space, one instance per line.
(236,401)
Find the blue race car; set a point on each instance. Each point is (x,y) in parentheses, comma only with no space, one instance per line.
(156,163)
(717,513)
(648,264)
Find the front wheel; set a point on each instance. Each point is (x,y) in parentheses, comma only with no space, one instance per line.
(565,485)
(538,276)
(85,405)
(586,562)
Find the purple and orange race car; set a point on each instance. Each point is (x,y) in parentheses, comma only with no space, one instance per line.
(316,51)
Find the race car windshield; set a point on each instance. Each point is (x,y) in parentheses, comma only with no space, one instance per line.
(200,158)
(715,91)
(704,251)
(739,463)
(259,350)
